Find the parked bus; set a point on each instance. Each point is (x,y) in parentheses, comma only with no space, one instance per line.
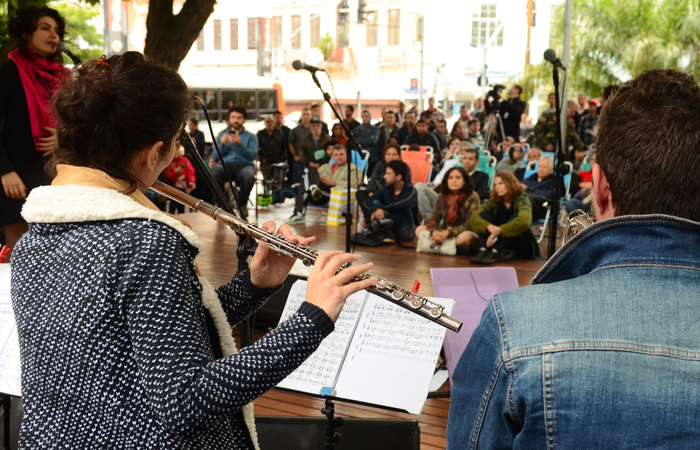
(260,96)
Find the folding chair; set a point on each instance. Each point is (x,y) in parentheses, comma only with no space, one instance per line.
(420,171)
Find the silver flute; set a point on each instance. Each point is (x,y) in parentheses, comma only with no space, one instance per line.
(383,287)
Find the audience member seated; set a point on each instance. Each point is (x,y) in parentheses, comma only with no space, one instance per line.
(582,197)
(503,223)
(272,148)
(339,133)
(577,157)
(466,157)
(239,148)
(515,159)
(459,130)
(546,130)
(180,174)
(532,155)
(538,187)
(395,201)
(450,149)
(376,179)
(421,136)
(502,148)
(312,146)
(453,209)
(368,137)
(408,126)
(388,131)
(473,134)
(316,184)
(587,124)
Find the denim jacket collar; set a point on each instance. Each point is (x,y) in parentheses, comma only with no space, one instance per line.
(625,241)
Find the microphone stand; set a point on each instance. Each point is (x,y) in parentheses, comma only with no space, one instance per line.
(355,146)
(246,244)
(558,184)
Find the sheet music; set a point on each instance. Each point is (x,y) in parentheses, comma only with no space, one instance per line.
(10,369)
(392,358)
(321,368)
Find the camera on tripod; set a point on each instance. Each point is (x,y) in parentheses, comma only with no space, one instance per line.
(493,97)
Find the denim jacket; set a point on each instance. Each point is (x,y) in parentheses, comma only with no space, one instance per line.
(602,351)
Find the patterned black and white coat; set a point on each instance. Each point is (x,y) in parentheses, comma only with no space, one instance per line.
(114,345)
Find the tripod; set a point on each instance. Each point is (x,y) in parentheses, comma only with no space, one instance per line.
(490,126)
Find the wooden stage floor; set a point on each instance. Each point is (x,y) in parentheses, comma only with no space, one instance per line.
(402,265)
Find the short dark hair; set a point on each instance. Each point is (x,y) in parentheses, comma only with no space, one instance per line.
(237,108)
(24,23)
(410,112)
(474,151)
(193,120)
(471,121)
(277,112)
(106,116)
(399,168)
(519,88)
(350,107)
(331,142)
(422,121)
(468,187)
(650,130)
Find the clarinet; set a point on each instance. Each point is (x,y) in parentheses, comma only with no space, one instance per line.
(279,244)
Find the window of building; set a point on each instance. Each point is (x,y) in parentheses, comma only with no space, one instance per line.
(394,26)
(252,33)
(296,24)
(372,29)
(276,31)
(315,25)
(484,24)
(234,34)
(217,34)
(200,41)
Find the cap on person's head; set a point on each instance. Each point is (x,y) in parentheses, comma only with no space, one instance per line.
(315,119)
(595,101)
(314,104)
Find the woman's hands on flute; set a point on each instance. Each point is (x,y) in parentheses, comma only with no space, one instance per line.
(268,269)
(328,290)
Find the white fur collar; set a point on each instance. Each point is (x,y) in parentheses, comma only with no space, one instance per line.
(74,203)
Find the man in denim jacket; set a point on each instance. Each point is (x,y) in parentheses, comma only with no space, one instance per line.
(603,350)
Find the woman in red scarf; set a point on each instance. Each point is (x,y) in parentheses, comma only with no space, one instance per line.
(28,80)
(453,208)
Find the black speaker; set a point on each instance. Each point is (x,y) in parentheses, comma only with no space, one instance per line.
(268,315)
(304,433)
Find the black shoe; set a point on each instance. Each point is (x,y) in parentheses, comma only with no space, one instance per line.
(480,256)
(490,258)
(506,255)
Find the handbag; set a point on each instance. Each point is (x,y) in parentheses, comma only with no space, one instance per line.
(426,245)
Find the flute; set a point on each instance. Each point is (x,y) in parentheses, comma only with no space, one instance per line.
(383,287)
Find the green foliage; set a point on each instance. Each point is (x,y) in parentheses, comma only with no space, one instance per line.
(614,40)
(325,45)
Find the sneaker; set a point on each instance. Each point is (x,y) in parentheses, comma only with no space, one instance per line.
(296,219)
(506,255)
(491,257)
(317,194)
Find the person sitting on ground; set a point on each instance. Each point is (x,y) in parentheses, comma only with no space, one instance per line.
(538,187)
(453,209)
(514,161)
(395,201)
(376,179)
(316,184)
(466,157)
(503,223)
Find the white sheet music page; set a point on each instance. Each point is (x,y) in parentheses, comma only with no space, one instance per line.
(10,369)
(321,368)
(392,358)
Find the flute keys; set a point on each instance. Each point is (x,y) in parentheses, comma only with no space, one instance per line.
(416,303)
(436,312)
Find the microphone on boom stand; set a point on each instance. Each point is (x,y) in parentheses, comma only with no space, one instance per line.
(298,65)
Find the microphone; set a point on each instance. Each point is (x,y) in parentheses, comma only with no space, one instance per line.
(298,65)
(551,56)
(62,47)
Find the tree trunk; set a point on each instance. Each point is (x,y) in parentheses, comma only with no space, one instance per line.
(170,37)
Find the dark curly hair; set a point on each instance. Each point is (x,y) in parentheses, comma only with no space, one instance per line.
(110,112)
(467,187)
(24,23)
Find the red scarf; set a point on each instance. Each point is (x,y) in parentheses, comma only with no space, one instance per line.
(453,203)
(40,80)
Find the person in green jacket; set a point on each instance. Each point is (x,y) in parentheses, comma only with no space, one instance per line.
(503,223)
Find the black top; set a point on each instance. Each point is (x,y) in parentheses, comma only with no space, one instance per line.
(17,150)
